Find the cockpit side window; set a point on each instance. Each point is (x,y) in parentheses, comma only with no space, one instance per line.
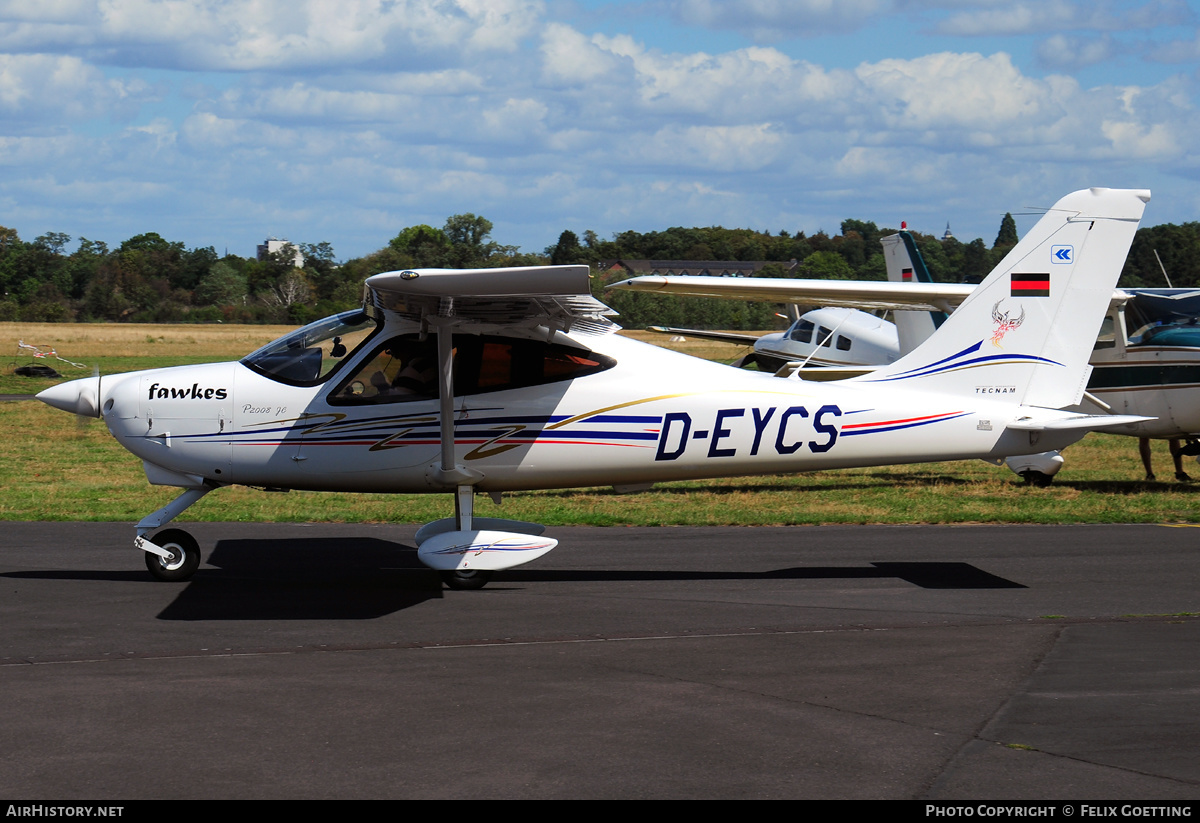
(401,369)
(310,355)
(404,368)
(1107,338)
(802,332)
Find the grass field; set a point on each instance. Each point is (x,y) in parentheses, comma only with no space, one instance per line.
(51,468)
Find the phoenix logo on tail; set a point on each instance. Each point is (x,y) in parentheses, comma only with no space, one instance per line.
(1004,324)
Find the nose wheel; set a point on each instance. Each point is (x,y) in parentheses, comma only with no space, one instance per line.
(184,557)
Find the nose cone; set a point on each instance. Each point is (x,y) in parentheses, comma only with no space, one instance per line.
(76,396)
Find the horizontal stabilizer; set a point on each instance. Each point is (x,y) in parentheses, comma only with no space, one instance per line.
(1088,422)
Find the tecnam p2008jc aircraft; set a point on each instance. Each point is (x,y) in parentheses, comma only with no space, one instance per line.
(495,380)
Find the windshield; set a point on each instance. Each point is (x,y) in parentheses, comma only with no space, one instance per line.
(308,356)
(1183,334)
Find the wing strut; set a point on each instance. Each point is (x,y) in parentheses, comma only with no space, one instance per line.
(449,472)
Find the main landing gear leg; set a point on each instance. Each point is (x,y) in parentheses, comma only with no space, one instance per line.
(172,554)
(464,510)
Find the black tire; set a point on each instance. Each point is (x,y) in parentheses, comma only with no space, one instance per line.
(186,558)
(466,580)
(1039,479)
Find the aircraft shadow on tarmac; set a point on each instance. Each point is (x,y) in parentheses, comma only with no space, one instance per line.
(364,578)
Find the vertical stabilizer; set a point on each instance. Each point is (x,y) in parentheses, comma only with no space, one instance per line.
(1026,332)
(905,265)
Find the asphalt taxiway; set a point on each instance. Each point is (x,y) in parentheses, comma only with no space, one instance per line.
(321,661)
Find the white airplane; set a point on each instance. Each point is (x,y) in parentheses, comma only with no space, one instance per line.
(496,380)
(830,337)
(1146,360)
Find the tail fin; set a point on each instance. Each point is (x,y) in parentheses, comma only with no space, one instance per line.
(1026,332)
(905,265)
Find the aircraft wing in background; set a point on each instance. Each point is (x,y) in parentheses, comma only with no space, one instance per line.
(855,294)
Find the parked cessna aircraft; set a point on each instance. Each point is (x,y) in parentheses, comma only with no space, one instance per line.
(1146,360)
(498,380)
(837,337)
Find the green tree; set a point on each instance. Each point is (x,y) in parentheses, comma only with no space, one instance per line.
(469,243)
(826,265)
(1007,237)
(321,269)
(54,242)
(194,265)
(222,286)
(567,250)
(1178,246)
(425,246)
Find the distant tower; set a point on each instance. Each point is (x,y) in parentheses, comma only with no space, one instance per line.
(949,235)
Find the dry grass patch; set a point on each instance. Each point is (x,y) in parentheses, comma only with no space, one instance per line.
(79,341)
(52,470)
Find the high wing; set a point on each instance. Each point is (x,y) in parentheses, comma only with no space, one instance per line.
(557,297)
(719,336)
(854,294)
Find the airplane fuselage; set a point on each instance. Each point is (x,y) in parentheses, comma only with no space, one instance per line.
(1162,382)
(227,424)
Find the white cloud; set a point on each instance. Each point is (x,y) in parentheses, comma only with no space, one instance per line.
(515,120)
(1011,18)
(272,35)
(1176,51)
(727,89)
(39,89)
(954,91)
(205,133)
(46,10)
(1140,142)
(1061,52)
(361,118)
(714,148)
(1047,17)
(570,58)
(767,21)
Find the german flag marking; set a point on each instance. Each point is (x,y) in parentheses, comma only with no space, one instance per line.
(1030,285)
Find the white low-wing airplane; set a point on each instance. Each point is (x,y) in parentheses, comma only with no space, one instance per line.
(831,336)
(498,380)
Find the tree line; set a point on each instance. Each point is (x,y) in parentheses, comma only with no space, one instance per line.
(151,279)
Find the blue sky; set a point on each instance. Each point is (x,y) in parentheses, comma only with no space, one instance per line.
(220,123)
